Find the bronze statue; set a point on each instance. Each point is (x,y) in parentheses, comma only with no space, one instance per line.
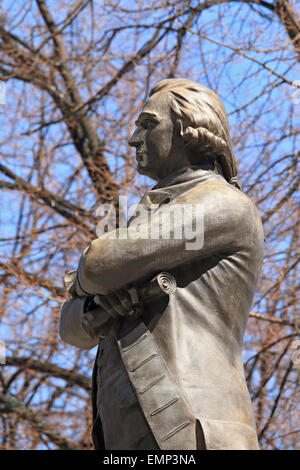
(170,318)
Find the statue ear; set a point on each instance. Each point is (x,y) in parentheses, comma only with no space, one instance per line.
(179,127)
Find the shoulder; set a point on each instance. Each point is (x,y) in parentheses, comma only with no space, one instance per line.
(217,193)
(222,200)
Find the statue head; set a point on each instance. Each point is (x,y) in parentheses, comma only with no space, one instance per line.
(183,124)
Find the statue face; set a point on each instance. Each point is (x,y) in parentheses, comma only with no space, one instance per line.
(159,147)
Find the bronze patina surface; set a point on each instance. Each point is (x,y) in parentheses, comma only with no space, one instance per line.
(169,373)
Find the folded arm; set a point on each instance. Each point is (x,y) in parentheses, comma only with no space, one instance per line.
(117,258)
(83,320)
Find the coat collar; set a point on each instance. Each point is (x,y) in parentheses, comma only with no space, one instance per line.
(176,184)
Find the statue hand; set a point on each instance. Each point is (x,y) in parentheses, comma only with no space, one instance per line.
(124,302)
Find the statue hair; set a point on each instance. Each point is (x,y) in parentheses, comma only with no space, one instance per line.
(204,124)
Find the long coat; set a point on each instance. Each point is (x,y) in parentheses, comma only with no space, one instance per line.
(199,329)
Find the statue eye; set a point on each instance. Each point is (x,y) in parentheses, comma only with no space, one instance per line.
(148,124)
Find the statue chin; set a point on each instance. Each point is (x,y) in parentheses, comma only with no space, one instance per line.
(143,170)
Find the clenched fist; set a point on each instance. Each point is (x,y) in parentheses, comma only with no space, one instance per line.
(123,302)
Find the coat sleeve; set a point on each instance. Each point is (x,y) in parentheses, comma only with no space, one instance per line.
(70,327)
(225,224)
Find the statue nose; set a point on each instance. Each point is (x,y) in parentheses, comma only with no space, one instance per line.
(136,139)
